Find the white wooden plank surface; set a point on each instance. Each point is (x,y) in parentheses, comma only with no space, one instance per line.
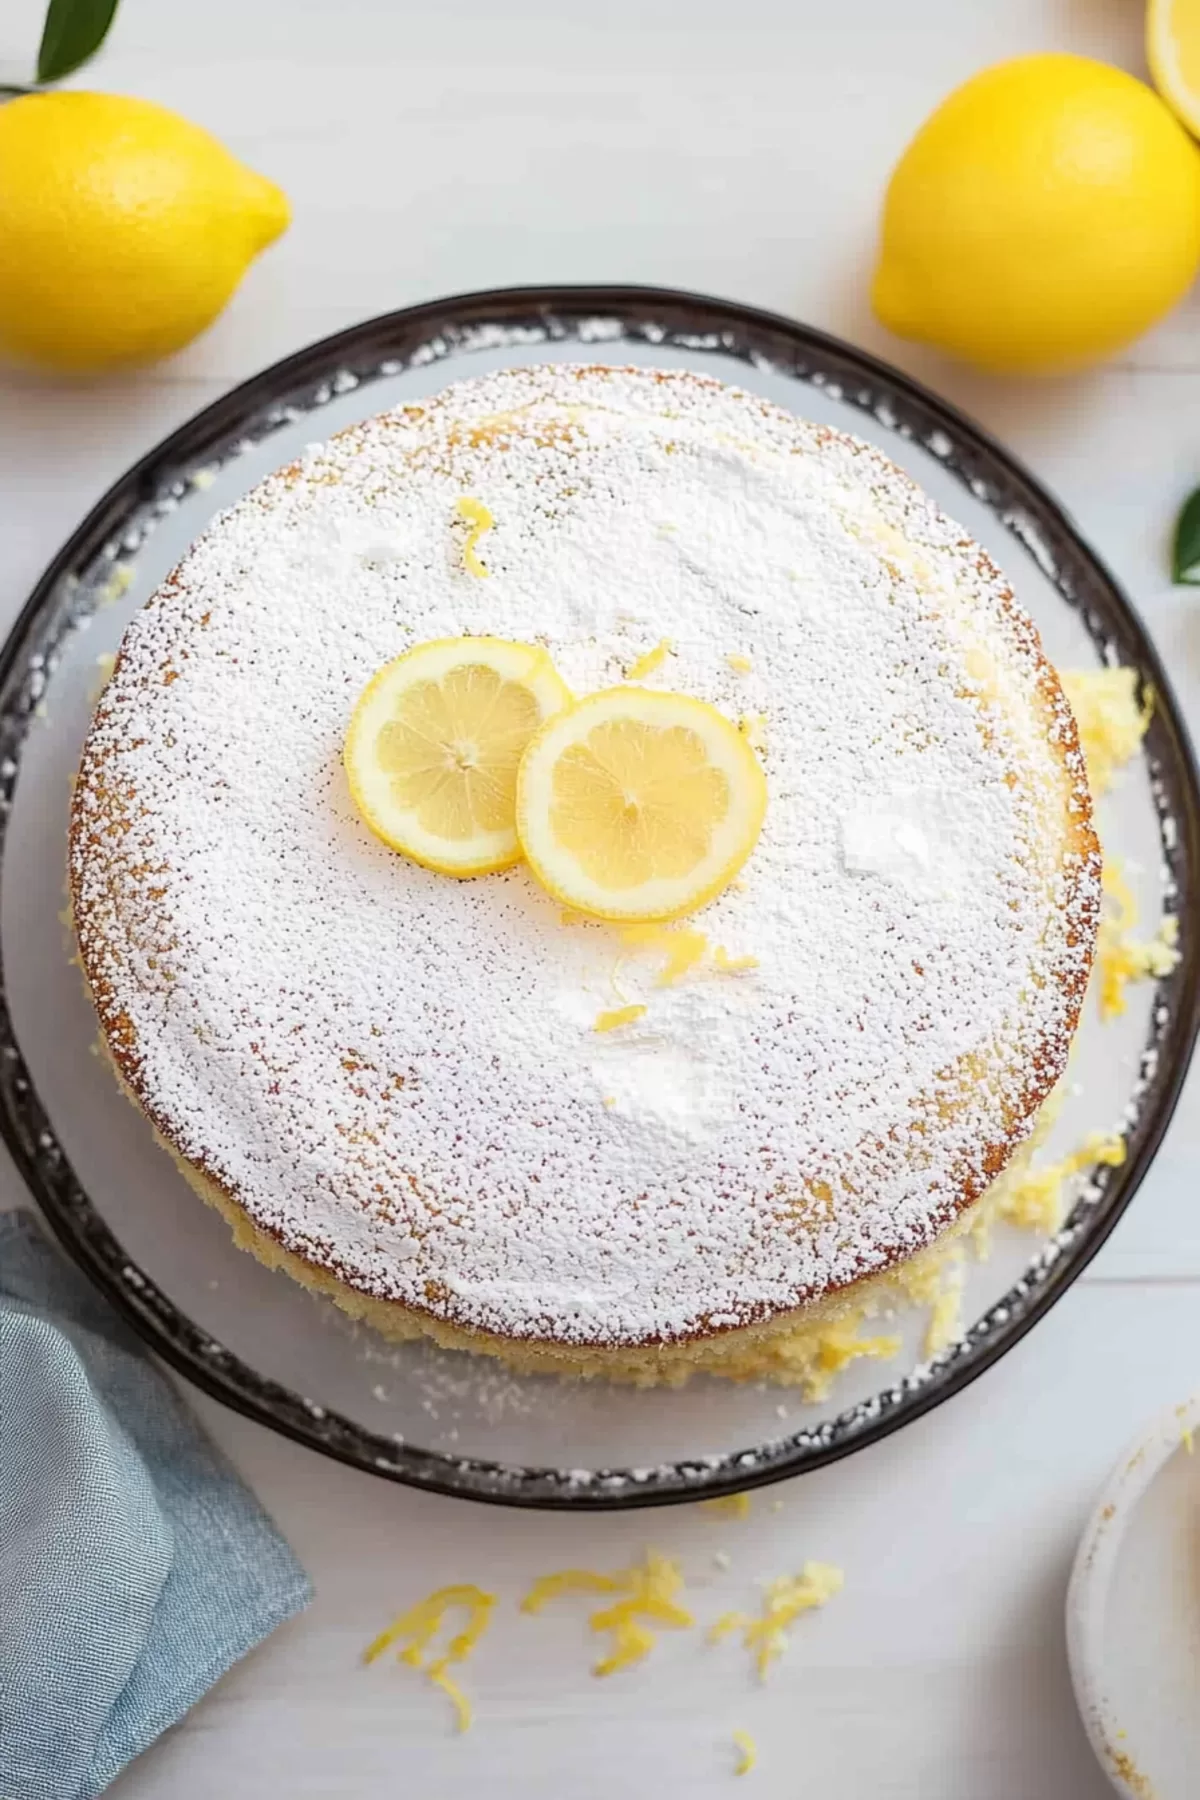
(740,151)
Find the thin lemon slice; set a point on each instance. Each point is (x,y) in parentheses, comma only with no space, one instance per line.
(434,744)
(637,805)
(1173,52)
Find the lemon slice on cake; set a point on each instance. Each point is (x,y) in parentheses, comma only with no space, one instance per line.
(1173,52)
(637,805)
(434,744)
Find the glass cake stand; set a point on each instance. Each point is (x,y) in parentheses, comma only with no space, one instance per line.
(411,1413)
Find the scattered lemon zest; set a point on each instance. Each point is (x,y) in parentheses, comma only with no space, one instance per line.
(106,662)
(117,585)
(458,1700)
(741,665)
(616,1016)
(421,1623)
(683,947)
(480,520)
(570,1581)
(647,1589)
(748,1752)
(685,950)
(753,727)
(1118,890)
(945,1319)
(1110,718)
(1187,1438)
(783,1602)
(731,1506)
(725,964)
(650,660)
(610,1100)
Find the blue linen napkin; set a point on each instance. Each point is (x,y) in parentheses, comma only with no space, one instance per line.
(135,1567)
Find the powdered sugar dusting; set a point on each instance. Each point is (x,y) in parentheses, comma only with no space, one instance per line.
(396,1073)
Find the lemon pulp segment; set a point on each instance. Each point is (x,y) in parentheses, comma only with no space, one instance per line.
(434,744)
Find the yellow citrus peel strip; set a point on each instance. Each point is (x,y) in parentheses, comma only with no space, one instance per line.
(647,1593)
(650,660)
(725,964)
(616,1016)
(480,520)
(683,948)
(420,1625)
(747,1752)
(785,1599)
(731,1506)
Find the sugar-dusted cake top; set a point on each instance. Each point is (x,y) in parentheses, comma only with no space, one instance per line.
(399,1075)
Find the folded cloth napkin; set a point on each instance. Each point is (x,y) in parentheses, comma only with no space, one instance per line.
(135,1567)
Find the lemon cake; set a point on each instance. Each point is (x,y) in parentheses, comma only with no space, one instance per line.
(464,1110)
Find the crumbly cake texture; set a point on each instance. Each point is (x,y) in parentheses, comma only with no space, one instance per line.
(390,1080)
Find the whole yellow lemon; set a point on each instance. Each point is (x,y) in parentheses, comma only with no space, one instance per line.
(123,229)
(1043,216)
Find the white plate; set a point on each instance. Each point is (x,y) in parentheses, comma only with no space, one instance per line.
(1133,1615)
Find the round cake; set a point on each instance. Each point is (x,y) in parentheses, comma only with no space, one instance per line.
(456,1108)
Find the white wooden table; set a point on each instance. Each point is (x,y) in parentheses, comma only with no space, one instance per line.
(739,150)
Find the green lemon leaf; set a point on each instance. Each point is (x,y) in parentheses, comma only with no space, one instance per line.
(1185,557)
(74,30)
